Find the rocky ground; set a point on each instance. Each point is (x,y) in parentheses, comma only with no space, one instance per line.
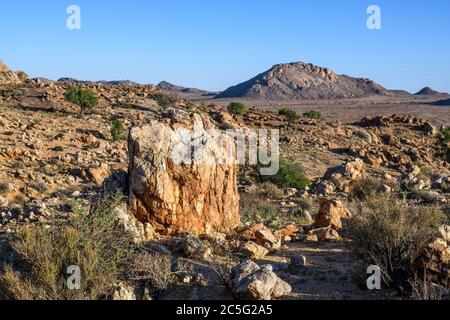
(50,155)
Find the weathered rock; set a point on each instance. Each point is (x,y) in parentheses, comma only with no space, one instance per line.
(174,193)
(124,292)
(323,234)
(331,212)
(254,251)
(193,247)
(98,174)
(298,261)
(255,283)
(266,238)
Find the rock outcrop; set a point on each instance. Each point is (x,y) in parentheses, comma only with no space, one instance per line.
(7,75)
(171,191)
(302,81)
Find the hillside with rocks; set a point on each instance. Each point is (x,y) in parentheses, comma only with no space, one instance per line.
(300,80)
(106,186)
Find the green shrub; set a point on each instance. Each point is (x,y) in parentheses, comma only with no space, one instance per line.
(313,115)
(237,108)
(289,114)
(445,144)
(446,134)
(92,241)
(84,98)
(390,234)
(164,100)
(289,175)
(58,149)
(117,129)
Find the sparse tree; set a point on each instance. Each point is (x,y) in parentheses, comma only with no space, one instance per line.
(237,108)
(289,114)
(84,98)
(117,129)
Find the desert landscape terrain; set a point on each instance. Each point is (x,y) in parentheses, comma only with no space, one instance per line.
(87,180)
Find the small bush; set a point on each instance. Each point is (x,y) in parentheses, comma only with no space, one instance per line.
(365,189)
(92,241)
(390,234)
(271,191)
(164,100)
(58,149)
(445,152)
(289,114)
(313,115)
(257,208)
(237,108)
(117,129)
(289,176)
(154,270)
(84,98)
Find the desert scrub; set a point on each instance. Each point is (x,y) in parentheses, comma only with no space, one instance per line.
(390,234)
(237,108)
(313,115)
(156,271)
(289,114)
(164,100)
(365,189)
(91,240)
(289,175)
(256,208)
(445,152)
(117,130)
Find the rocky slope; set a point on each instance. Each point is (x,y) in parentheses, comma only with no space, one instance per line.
(302,81)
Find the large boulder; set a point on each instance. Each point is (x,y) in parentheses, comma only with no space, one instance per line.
(331,213)
(181,177)
(255,283)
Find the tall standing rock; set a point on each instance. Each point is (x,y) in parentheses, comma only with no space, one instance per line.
(175,193)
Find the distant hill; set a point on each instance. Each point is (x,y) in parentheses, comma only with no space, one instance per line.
(427,91)
(300,80)
(167,86)
(183,92)
(123,83)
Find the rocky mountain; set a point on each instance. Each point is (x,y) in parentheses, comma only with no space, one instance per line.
(300,80)
(427,91)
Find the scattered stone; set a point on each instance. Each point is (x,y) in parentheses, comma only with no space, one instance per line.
(254,251)
(255,283)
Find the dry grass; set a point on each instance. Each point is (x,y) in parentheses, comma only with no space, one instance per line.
(154,270)
(390,234)
(92,241)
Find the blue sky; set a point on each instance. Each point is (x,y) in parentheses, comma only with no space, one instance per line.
(217,43)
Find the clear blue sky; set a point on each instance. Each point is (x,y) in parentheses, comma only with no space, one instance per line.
(213,44)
